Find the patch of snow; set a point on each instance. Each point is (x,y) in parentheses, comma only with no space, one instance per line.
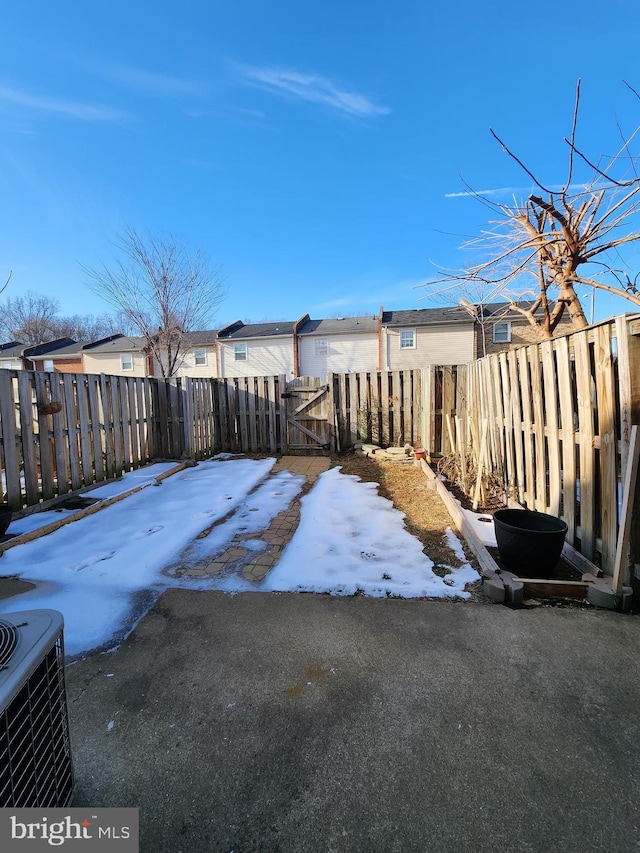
(352,540)
(94,571)
(104,571)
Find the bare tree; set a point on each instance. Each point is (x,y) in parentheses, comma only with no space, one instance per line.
(29,319)
(86,327)
(163,292)
(33,319)
(558,239)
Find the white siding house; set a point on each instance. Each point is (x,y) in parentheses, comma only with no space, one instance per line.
(412,339)
(11,355)
(338,346)
(256,349)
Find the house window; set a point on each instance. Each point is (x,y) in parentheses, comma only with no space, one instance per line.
(126,362)
(240,352)
(48,365)
(200,356)
(501,333)
(408,339)
(321,346)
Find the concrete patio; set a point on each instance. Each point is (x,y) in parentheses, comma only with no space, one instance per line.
(294,723)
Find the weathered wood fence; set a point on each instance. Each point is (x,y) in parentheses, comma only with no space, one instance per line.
(384,407)
(554,419)
(557,419)
(61,432)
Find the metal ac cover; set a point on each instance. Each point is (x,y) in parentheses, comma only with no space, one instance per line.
(35,755)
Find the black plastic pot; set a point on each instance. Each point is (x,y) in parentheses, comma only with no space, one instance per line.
(529,543)
(5,518)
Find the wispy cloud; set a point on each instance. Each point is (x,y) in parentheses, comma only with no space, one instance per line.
(496,191)
(74,109)
(313,88)
(149,82)
(556,188)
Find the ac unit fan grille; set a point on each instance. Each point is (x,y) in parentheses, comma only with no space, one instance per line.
(35,754)
(8,641)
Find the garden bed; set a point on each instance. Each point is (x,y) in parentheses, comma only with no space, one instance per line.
(426,516)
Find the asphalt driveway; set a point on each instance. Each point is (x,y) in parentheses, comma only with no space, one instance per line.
(311,723)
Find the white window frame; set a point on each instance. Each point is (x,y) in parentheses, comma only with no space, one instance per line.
(502,339)
(126,359)
(321,346)
(240,352)
(47,365)
(200,357)
(403,337)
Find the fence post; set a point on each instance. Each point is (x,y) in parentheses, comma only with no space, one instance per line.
(332,415)
(188,416)
(428,408)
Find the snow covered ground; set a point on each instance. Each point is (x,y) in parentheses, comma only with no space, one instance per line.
(104,571)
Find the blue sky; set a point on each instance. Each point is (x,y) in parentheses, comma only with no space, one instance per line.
(308,148)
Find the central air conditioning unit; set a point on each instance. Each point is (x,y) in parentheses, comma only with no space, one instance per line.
(35,754)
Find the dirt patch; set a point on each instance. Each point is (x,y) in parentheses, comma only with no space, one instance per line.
(10,586)
(426,516)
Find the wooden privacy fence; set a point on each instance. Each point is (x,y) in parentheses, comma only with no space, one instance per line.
(550,421)
(555,420)
(383,407)
(62,432)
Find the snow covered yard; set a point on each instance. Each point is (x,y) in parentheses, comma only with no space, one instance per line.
(104,571)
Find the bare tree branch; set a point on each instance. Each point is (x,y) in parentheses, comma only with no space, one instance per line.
(162,290)
(519,162)
(557,237)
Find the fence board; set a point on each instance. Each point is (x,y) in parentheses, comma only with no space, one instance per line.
(30,457)
(253,427)
(416,403)
(551,430)
(126,423)
(533,357)
(116,424)
(605,391)
(41,381)
(72,429)
(85,438)
(527,421)
(271,412)
(60,437)
(354,432)
(567,436)
(131,394)
(586,443)
(10,439)
(97,428)
(516,425)
(243,432)
(507,414)
(142,420)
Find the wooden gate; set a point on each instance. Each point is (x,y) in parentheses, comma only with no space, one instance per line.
(309,407)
